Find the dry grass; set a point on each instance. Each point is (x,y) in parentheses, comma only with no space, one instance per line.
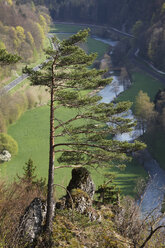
(14,200)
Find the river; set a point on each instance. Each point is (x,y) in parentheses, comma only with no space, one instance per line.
(153,195)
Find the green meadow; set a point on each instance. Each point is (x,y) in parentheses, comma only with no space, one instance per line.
(66,28)
(31,132)
(91,46)
(144,82)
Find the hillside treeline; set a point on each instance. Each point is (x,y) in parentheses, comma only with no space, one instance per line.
(22,28)
(145,19)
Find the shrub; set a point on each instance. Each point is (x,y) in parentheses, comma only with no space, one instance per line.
(8,143)
(12,107)
(13,112)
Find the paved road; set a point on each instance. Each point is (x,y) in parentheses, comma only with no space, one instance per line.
(153,194)
(11,85)
(18,80)
(21,78)
(140,63)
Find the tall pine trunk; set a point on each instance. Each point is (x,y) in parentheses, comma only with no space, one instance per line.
(50,193)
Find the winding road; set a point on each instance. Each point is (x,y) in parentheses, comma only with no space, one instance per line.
(134,57)
(18,80)
(21,78)
(146,67)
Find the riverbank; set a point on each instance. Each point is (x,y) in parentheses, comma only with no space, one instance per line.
(153,196)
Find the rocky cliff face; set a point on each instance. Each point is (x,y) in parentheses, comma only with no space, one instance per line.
(81,180)
(80,192)
(31,222)
(76,223)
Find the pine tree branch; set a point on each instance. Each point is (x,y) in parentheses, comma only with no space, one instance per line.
(61,123)
(85,144)
(78,117)
(67,122)
(82,152)
(109,146)
(87,131)
(69,166)
(73,166)
(150,235)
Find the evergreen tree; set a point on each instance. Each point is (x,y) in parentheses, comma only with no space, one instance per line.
(108,192)
(30,178)
(81,139)
(8,58)
(29,171)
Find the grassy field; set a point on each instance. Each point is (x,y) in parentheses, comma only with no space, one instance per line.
(91,46)
(32,131)
(155,141)
(32,134)
(144,82)
(57,28)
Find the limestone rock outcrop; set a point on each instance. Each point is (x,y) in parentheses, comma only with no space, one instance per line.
(81,179)
(32,220)
(80,192)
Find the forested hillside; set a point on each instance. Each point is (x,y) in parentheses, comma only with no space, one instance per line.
(22,28)
(145,19)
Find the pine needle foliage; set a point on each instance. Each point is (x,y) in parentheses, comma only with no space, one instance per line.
(80,140)
(29,177)
(8,58)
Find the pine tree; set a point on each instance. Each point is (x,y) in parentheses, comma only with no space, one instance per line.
(29,171)
(7,58)
(108,192)
(29,178)
(80,140)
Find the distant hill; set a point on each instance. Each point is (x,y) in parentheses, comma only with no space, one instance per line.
(144,18)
